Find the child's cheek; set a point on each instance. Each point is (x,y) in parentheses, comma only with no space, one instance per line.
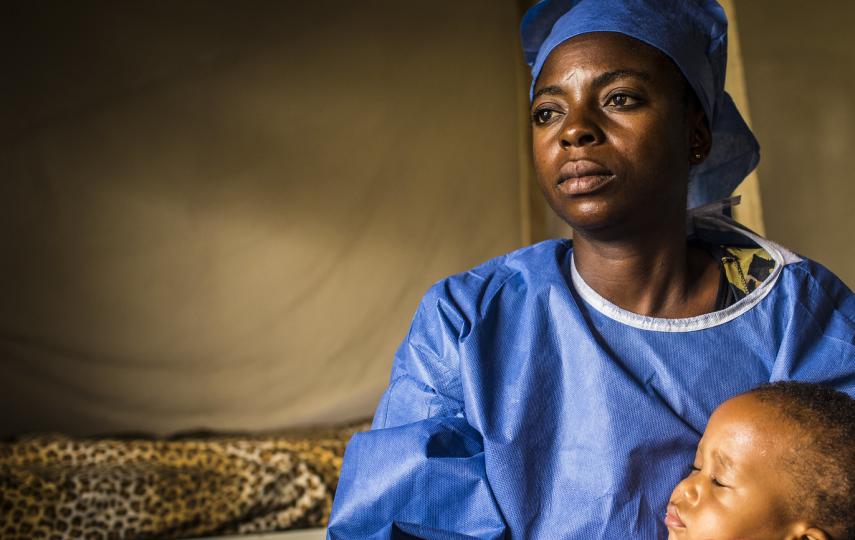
(710,523)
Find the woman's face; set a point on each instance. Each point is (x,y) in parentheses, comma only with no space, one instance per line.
(613,135)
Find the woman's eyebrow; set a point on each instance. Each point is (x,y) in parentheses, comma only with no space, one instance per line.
(599,81)
(611,76)
(551,90)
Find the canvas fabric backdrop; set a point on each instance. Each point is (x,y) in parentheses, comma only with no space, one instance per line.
(219,215)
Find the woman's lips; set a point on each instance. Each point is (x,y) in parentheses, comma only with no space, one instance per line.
(582,177)
(672,518)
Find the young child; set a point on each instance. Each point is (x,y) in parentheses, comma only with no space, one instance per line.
(777,462)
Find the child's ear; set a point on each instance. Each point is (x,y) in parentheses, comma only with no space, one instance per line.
(801,532)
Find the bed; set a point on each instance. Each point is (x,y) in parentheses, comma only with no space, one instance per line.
(186,486)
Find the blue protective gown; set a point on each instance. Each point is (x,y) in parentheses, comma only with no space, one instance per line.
(523,405)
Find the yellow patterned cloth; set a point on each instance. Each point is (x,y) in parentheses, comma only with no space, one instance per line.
(58,487)
(744,269)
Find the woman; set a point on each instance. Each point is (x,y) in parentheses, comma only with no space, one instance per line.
(559,391)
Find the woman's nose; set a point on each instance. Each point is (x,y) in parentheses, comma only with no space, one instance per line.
(580,130)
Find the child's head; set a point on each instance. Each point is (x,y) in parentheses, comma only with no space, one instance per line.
(777,462)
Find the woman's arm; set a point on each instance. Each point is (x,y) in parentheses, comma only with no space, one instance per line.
(420,471)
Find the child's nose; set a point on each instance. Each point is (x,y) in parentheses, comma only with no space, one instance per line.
(688,489)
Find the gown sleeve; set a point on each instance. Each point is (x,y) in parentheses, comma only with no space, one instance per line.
(419,472)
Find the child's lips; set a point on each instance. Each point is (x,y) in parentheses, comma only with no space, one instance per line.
(672,518)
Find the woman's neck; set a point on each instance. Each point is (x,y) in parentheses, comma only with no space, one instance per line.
(655,274)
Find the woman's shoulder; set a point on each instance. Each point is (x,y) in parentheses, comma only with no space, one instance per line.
(817,288)
(545,257)
(780,272)
(806,278)
(521,270)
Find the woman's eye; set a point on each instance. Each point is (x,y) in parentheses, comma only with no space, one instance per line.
(619,100)
(542,116)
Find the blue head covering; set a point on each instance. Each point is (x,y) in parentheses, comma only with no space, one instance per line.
(693,33)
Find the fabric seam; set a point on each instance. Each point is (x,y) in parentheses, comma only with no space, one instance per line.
(700,322)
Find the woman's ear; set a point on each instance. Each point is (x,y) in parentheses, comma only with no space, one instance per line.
(700,137)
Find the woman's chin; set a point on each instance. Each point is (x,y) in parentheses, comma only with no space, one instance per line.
(589,215)
(611,218)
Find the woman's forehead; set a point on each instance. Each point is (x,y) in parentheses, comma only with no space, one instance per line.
(607,51)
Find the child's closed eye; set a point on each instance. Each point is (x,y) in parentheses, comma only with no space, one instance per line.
(717,483)
(695,469)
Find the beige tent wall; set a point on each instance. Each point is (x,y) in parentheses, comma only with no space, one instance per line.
(750,210)
(219,214)
(799,64)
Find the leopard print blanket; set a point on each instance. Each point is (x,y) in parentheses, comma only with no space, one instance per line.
(56,487)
